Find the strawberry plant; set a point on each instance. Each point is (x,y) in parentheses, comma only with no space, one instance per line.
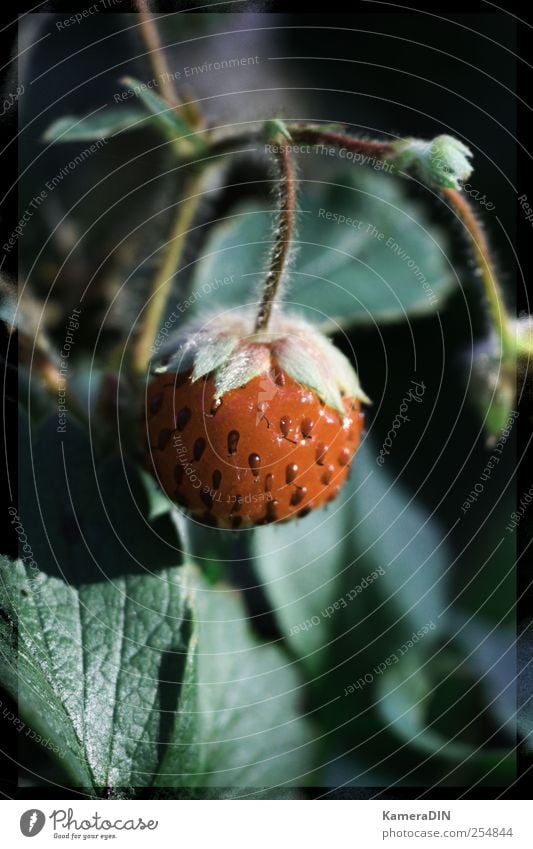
(222,588)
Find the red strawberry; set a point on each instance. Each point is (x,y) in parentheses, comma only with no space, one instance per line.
(252,428)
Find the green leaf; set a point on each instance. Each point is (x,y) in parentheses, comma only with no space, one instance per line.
(169,119)
(250,732)
(101,125)
(129,692)
(389,265)
(88,668)
(136,672)
(435,704)
(371,535)
(351,587)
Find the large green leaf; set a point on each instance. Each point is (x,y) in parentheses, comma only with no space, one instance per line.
(372,542)
(88,668)
(355,588)
(137,671)
(130,687)
(392,264)
(250,733)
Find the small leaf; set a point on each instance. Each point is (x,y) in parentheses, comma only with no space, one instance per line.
(101,125)
(170,120)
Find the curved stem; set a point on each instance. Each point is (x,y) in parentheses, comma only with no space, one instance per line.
(280,253)
(185,212)
(480,247)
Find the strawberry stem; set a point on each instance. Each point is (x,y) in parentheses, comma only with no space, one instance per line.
(286,216)
(480,247)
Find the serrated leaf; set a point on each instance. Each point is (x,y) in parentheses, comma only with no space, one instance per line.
(90,661)
(132,689)
(132,682)
(392,264)
(101,125)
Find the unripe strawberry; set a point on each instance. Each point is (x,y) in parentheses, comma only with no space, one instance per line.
(248,428)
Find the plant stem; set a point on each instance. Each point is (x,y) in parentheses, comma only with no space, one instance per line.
(280,253)
(316,135)
(156,53)
(480,246)
(313,135)
(162,282)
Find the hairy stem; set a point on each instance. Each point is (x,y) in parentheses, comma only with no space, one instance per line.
(280,253)
(317,135)
(480,247)
(156,53)
(372,148)
(185,212)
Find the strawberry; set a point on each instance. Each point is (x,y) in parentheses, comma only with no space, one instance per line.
(246,428)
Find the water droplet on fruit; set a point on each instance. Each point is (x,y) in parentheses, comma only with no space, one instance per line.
(272,510)
(254,461)
(298,495)
(345,456)
(327,474)
(306,427)
(290,472)
(285,425)
(269,482)
(217,477)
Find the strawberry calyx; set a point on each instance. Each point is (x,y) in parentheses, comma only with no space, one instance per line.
(228,348)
